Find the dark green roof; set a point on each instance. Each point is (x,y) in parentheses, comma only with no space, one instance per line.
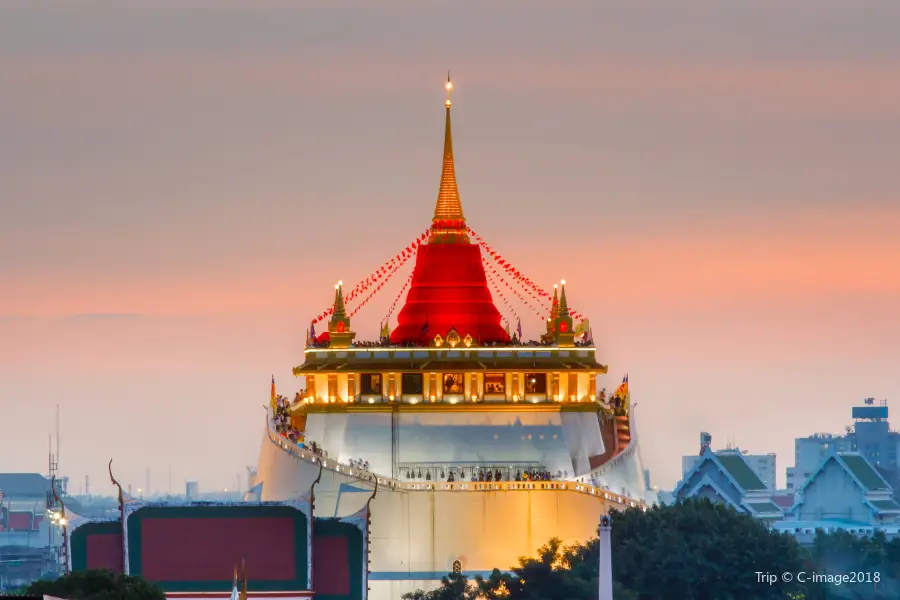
(764,507)
(884,504)
(864,472)
(740,471)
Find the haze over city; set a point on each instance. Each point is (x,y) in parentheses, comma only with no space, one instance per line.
(184,183)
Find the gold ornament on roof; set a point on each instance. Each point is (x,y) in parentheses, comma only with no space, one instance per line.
(438,341)
(467,341)
(453,338)
(449,223)
(339,326)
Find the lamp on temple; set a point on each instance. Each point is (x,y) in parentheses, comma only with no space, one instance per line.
(564,335)
(339,334)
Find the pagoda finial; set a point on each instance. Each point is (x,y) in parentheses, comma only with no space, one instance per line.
(564,334)
(339,311)
(339,332)
(563,310)
(449,223)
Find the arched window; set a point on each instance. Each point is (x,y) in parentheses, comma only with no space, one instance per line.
(457,567)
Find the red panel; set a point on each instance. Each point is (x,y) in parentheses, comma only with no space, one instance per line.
(448,290)
(331,566)
(37,521)
(19,521)
(104,551)
(184,549)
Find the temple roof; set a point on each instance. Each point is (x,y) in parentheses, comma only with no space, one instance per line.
(522,358)
(449,288)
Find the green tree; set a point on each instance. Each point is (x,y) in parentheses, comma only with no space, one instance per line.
(453,587)
(695,550)
(97,585)
(698,550)
(863,558)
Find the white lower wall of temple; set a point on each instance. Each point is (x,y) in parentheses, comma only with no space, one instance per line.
(417,535)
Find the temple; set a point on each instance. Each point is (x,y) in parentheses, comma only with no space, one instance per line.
(451,443)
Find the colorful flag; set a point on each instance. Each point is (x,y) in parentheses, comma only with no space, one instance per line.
(273,399)
(424,329)
(622,390)
(519,329)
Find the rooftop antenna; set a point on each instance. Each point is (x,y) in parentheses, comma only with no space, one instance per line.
(57,436)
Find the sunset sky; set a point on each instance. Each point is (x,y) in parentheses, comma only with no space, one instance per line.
(182,183)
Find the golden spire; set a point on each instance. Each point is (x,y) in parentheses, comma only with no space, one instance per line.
(449,223)
(554,308)
(563,330)
(339,325)
(339,311)
(563,310)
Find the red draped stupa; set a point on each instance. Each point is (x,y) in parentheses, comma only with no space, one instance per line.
(449,288)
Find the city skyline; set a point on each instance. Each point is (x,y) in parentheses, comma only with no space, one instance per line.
(716,185)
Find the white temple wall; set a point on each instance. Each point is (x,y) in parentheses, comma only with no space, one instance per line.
(419,533)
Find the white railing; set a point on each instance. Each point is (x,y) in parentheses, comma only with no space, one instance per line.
(462,486)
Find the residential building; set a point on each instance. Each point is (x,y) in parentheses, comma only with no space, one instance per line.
(870,436)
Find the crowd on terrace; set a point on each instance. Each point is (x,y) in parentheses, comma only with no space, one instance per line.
(386,343)
(479,474)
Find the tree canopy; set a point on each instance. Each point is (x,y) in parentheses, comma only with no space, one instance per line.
(694,550)
(97,585)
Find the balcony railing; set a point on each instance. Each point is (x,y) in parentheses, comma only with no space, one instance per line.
(463,486)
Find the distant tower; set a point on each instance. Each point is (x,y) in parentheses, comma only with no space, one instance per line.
(605,557)
(87,485)
(705,442)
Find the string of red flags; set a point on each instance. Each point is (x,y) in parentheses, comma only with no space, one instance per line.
(397,299)
(381,283)
(493,283)
(489,270)
(539,294)
(532,288)
(377,278)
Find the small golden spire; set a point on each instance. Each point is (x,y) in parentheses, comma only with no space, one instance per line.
(449,223)
(563,310)
(339,325)
(339,311)
(564,334)
(554,307)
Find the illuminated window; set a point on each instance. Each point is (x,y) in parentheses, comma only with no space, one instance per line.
(370,383)
(495,383)
(535,383)
(412,383)
(454,383)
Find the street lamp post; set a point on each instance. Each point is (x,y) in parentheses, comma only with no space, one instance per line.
(605,559)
